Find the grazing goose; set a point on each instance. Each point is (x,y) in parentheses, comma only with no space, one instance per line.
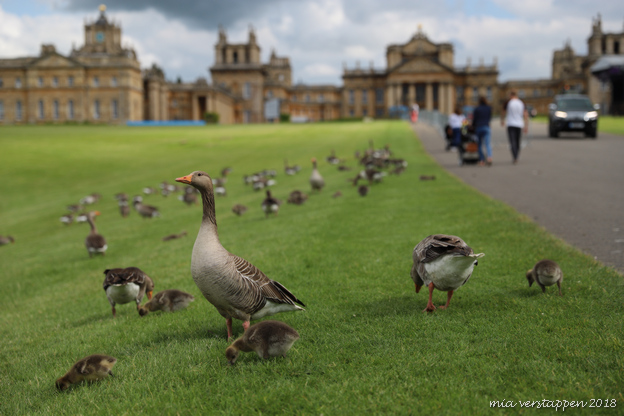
(92,368)
(94,242)
(545,273)
(174,236)
(442,262)
(266,338)
(363,190)
(6,240)
(297,197)
(167,301)
(337,194)
(126,285)
(289,170)
(146,211)
(90,199)
(270,205)
(239,209)
(332,159)
(316,180)
(233,285)
(148,190)
(67,219)
(427,177)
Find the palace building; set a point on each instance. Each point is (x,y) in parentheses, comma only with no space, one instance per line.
(102,82)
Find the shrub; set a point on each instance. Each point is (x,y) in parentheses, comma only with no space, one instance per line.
(211,118)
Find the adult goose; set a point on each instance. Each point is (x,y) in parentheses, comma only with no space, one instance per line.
(6,240)
(233,285)
(146,211)
(545,273)
(442,262)
(316,180)
(126,285)
(94,242)
(270,204)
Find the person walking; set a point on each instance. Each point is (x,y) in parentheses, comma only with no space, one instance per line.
(456,122)
(481,117)
(516,116)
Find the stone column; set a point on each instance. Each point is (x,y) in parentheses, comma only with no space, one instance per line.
(450,91)
(194,108)
(397,94)
(429,96)
(411,95)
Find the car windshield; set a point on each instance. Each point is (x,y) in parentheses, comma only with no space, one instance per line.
(575,104)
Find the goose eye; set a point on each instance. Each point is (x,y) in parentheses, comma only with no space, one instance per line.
(199,174)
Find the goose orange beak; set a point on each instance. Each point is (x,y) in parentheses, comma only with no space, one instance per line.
(149,295)
(184,179)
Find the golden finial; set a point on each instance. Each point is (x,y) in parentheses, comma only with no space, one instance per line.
(419,27)
(102,8)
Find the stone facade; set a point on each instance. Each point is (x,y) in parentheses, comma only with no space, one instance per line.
(102,82)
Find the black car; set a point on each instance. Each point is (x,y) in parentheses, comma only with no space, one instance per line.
(572,112)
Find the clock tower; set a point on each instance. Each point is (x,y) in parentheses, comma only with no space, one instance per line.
(102,36)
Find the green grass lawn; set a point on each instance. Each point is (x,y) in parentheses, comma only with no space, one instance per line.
(366,345)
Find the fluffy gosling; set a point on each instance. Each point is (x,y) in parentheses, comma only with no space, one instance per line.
(167,301)
(266,338)
(545,273)
(91,368)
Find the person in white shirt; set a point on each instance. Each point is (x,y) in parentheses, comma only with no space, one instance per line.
(516,116)
(456,122)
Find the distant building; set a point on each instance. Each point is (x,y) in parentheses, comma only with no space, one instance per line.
(102,82)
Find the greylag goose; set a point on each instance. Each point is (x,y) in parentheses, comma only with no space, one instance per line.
(67,219)
(297,197)
(148,190)
(126,285)
(239,209)
(90,199)
(146,211)
(316,180)
(442,262)
(174,236)
(337,194)
(6,240)
(270,205)
(427,177)
(189,197)
(289,170)
(167,301)
(266,338)
(94,242)
(122,202)
(545,273)
(363,190)
(92,368)
(234,286)
(332,159)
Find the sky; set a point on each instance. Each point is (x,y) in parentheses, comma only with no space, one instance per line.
(319,36)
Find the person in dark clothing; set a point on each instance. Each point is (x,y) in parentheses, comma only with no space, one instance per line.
(481,117)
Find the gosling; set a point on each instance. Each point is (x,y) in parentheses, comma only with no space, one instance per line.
(167,301)
(545,273)
(266,338)
(92,368)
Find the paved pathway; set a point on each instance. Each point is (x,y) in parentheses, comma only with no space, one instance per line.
(572,186)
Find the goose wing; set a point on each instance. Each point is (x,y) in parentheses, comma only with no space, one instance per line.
(256,288)
(95,241)
(120,276)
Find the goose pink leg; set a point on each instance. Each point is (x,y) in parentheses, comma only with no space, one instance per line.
(430,306)
(448,300)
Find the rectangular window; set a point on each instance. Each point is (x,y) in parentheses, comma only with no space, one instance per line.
(365,112)
(536,93)
(1,83)
(1,110)
(18,110)
(40,81)
(379,112)
(246,116)
(379,95)
(420,92)
(113,81)
(70,109)
(115,109)
(246,90)
(475,94)
(351,97)
(321,98)
(54,81)
(521,93)
(364,97)
(351,113)
(489,94)
(18,82)
(55,110)
(96,109)
(96,82)
(40,109)
(70,81)
(307,98)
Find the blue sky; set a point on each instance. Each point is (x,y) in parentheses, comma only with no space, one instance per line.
(319,36)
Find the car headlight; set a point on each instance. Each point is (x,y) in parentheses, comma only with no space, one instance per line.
(561,114)
(591,115)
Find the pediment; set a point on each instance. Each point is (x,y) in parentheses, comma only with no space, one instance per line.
(419,65)
(419,44)
(55,60)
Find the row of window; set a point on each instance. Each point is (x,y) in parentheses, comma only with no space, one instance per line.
(379,96)
(54,82)
(70,114)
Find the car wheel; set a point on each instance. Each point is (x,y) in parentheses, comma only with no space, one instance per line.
(591,133)
(552,132)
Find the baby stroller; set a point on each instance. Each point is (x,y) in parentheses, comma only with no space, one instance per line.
(469,150)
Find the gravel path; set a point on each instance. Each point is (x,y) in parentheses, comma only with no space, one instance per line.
(572,186)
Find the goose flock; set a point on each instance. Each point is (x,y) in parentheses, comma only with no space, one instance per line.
(241,291)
